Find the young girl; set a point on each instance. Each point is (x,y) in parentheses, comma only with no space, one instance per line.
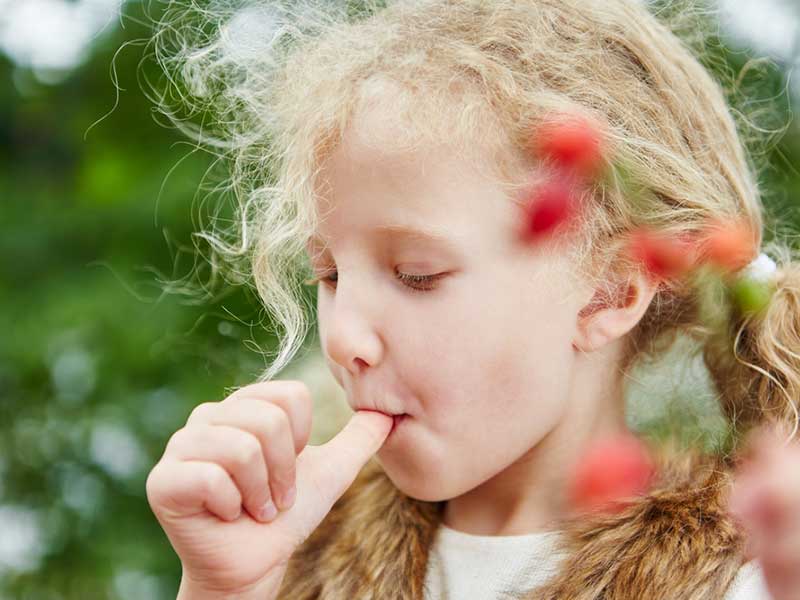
(391,148)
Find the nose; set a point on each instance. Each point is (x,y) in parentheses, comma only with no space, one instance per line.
(348,328)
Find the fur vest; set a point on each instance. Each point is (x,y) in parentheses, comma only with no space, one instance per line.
(675,543)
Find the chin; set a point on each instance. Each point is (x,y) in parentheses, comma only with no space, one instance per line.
(419,486)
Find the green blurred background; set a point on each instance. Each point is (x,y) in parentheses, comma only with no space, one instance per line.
(101,359)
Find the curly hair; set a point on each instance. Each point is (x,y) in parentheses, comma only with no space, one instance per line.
(274,85)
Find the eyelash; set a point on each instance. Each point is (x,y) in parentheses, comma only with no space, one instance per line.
(425,280)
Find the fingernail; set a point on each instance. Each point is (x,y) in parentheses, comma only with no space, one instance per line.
(288,497)
(268,511)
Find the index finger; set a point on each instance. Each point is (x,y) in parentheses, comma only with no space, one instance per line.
(292,396)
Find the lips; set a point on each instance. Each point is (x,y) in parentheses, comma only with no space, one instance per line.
(385,412)
(396,420)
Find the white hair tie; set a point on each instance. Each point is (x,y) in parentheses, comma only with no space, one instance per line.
(762,268)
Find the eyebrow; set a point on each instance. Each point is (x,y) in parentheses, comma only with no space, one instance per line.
(409,233)
(412,233)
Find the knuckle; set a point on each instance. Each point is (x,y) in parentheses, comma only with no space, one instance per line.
(201,412)
(210,479)
(238,393)
(247,450)
(276,423)
(153,482)
(177,439)
(298,390)
(157,485)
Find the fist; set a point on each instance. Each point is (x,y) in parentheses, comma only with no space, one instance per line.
(238,488)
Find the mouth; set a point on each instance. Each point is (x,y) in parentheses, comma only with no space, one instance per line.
(396,421)
(397,418)
(385,412)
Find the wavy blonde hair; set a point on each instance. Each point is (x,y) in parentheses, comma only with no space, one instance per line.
(271,87)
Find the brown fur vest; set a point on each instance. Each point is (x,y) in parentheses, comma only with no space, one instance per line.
(675,543)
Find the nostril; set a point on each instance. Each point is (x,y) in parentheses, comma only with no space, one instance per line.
(360,364)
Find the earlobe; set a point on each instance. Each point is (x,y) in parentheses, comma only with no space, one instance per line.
(609,316)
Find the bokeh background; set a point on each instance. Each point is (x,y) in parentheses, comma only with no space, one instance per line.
(111,330)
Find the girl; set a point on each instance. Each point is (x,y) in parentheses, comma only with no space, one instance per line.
(392,149)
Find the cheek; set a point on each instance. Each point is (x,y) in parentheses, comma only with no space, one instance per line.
(491,380)
(511,357)
(542,355)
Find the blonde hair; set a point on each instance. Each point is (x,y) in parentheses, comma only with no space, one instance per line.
(274,85)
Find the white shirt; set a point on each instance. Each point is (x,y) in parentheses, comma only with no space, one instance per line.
(462,566)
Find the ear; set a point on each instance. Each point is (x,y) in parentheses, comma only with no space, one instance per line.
(608,317)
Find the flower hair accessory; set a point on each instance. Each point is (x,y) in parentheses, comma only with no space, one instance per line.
(754,287)
(762,268)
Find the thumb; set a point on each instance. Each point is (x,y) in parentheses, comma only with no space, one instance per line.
(343,457)
(325,472)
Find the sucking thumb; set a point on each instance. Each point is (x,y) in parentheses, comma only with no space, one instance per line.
(325,472)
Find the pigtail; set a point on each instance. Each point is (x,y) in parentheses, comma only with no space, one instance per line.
(755,359)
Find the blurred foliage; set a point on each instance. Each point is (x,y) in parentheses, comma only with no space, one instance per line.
(98,366)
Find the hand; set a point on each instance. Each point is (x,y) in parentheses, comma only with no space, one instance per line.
(765,499)
(240,453)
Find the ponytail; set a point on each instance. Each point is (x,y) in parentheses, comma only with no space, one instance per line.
(755,359)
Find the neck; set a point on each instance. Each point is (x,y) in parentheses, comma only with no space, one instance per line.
(529,495)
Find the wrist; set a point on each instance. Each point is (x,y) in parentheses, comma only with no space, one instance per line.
(192,590)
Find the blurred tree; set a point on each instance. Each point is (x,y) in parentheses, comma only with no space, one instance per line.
(98,364)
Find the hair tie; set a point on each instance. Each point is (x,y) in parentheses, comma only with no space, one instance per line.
(762,268)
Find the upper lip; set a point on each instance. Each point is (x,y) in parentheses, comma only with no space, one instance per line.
(378,398)
(386,412)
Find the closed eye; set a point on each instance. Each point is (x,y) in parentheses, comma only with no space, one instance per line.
(416,283)
(420,283)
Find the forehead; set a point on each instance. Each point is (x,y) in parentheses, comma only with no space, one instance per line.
(424,192)
(423,237)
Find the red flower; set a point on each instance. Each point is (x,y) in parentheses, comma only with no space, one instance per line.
(550,204)
(610,473)
(573,141)
(663,256)
(729,245)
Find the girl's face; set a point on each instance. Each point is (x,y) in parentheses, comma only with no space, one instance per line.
(430,306)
